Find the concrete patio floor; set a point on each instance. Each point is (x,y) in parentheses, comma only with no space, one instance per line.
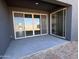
(29,46)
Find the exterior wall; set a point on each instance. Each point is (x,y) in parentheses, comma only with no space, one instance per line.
(4,28)
(68,22)
(74,21)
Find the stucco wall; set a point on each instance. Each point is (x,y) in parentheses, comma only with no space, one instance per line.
(74,21)
(4,28)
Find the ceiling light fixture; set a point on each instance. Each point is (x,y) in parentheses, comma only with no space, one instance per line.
(37,3)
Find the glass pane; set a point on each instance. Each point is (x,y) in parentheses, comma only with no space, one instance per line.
(37,24)
(58,24)
(19,25)
(28,25)
(44,24)
(54,24)
(64,14)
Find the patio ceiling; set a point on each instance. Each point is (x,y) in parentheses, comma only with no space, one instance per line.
(34,4)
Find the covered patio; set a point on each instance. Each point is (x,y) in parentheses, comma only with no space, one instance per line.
(28,27)
(29,46)
(31,29)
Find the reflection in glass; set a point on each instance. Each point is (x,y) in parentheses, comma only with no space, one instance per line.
(43,22)
(37,24)
(58,24)
(64,15)
(28,25)
(19,25)
(54,23)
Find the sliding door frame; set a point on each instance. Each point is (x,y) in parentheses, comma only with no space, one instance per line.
(13,12)
(63,21)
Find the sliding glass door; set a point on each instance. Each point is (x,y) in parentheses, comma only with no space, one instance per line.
(29,24)
(19,25)
(36,24)
(58,23)
(44,24)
